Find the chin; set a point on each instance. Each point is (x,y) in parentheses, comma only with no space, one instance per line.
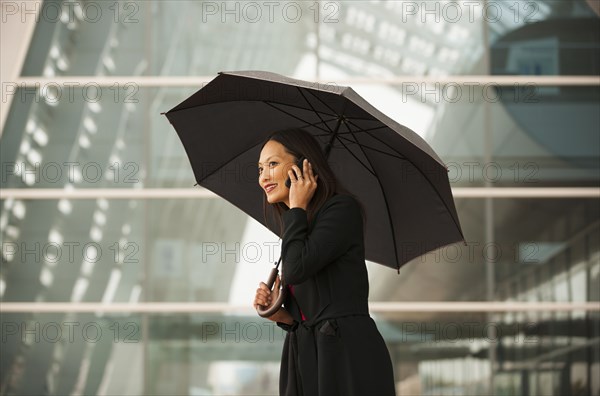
(273,199)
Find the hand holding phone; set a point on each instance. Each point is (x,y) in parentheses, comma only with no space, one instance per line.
(299,164)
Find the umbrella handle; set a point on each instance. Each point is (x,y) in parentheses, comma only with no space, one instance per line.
(265,313)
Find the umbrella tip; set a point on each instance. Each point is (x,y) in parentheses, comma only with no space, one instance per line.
(162,113)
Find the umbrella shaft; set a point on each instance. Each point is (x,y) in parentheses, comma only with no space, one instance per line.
(328,147)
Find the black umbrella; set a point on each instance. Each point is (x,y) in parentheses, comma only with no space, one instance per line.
(397,176)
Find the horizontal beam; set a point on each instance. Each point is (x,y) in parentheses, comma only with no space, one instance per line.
(109,193)
(526,192)
(198,81)
(211,307)
(188,193)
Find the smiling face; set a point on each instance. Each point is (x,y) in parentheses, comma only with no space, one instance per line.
(273,166)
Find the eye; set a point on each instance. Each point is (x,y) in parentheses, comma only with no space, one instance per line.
(260,167)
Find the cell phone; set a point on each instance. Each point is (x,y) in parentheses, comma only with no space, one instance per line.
(288,182)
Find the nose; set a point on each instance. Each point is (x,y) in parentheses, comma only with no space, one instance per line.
(263,178)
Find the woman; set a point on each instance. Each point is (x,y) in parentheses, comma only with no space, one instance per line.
(332,345)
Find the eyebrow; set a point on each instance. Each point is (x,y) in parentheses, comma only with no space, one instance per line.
(273,156)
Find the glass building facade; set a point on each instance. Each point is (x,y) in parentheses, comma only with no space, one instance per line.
(506,92)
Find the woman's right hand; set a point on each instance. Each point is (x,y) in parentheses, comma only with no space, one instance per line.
(266,298)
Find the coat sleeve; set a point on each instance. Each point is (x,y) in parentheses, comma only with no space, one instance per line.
(286,326)
(306,254)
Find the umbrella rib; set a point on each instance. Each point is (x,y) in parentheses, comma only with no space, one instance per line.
(363,119)
(362,130)
(313,109)
(387,206)
(380,141)
(418,169)
(323,103)
(334,114)
(296,117)
(366,130)
(350,151)
(317,123)
(373,148)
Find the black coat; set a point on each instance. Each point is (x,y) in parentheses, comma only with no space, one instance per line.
(338,350)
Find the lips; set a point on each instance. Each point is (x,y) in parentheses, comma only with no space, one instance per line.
(270,187)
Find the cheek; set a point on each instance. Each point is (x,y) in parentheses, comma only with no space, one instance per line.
(280,173)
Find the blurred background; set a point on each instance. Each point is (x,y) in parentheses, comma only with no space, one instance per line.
(118,277)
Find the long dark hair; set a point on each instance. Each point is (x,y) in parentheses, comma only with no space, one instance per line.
(299,142)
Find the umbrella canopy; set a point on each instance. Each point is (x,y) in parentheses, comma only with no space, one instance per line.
(400,180)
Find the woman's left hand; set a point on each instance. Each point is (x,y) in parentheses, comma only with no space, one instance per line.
(303,188)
